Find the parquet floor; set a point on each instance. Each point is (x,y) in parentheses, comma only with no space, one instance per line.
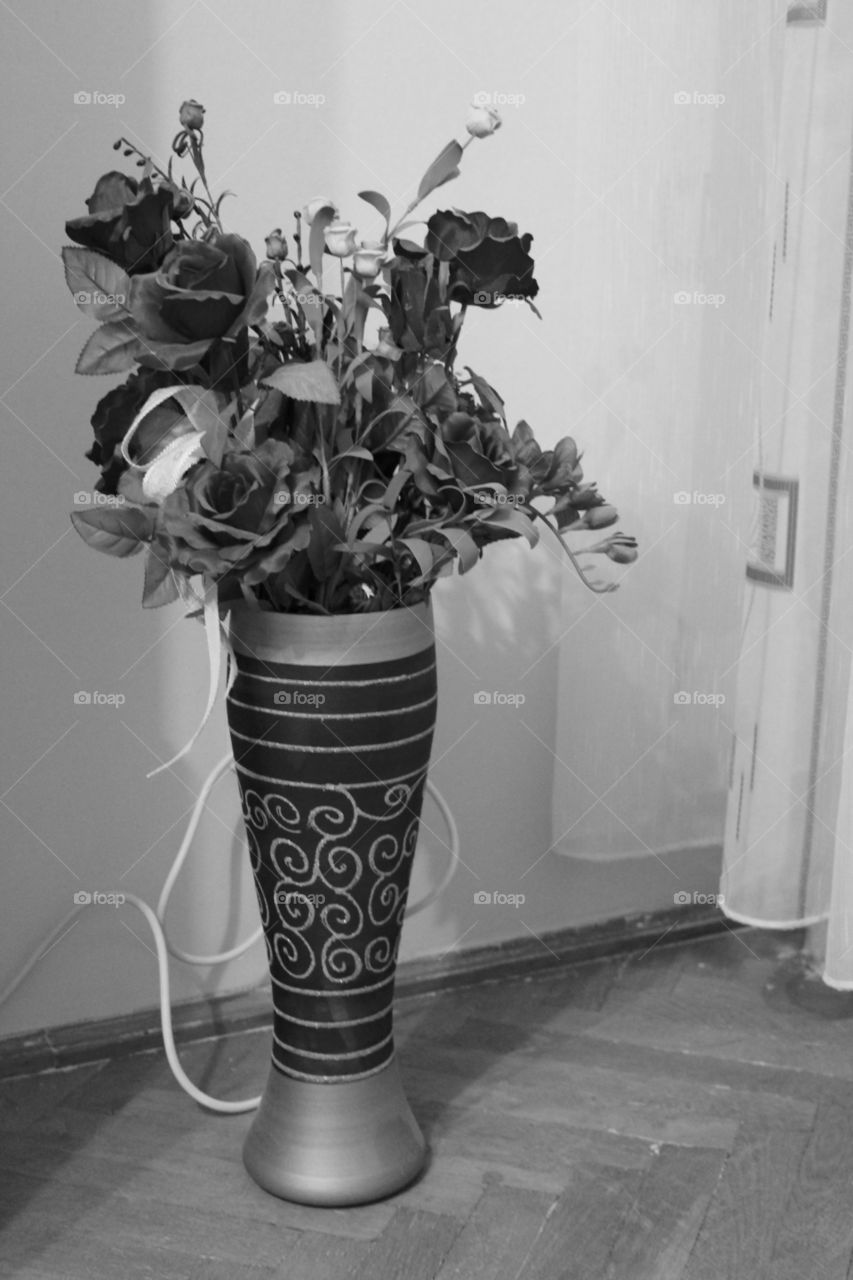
(671,1116)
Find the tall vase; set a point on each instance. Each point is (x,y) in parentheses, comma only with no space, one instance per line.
(331,721)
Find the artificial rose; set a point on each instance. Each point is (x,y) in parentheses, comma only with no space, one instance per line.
(204,291)
(488,259)
(192,114)
(313,207)
(368,259)
(340,239)
(249,515)
(482,120)
(129,221)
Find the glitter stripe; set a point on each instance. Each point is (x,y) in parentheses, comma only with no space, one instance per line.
(338,1022)
(335,1057)
(355,749)
(339,1079)
(336,684)
(307,991)
(342,715)
(326,787)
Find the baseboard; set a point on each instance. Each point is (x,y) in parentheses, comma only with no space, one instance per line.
(200,1019)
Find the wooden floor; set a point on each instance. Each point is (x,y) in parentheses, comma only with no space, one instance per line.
(680,1115)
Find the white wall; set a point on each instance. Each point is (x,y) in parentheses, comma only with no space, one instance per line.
(80,812)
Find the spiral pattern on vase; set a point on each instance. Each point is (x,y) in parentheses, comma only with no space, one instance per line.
(331,761)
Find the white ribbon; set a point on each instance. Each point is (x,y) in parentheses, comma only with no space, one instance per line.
(215,630)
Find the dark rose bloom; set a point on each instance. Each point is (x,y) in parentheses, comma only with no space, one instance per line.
(488,259)
(203,291)
(129,221)
(112,418)
(248,515)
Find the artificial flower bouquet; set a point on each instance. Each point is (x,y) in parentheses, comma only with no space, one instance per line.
(297,434)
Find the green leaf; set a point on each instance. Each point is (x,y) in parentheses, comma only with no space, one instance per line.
(487,395)
(326,534)
(508,517)
(372,512)
(310,381)
(114,530)
(364,385)
(317,242)
(379,203)
(423,552)
(310,300)
(160,585)
(356,451)
(100,287)
(395,488)
(114,348)
(464,546)
(444,167)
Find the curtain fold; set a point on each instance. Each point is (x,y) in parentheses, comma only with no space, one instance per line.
(789,827)
(669,284)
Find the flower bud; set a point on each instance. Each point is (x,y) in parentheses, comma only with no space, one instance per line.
(600,517)
(368,260)
(482,120)
(192,114)
(341,239)
(313,207)
(276,246)
(622,554)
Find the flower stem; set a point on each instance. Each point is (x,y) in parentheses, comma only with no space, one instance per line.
(601,589)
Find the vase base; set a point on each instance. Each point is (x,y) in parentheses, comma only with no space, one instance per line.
(339,1143)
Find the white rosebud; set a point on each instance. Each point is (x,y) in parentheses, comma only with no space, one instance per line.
(341,238)
(313,207)
(368,259)
(482,120)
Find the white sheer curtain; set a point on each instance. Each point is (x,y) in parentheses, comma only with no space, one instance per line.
(788,857)
(678,113)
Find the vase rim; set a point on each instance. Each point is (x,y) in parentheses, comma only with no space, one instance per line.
(350,639)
